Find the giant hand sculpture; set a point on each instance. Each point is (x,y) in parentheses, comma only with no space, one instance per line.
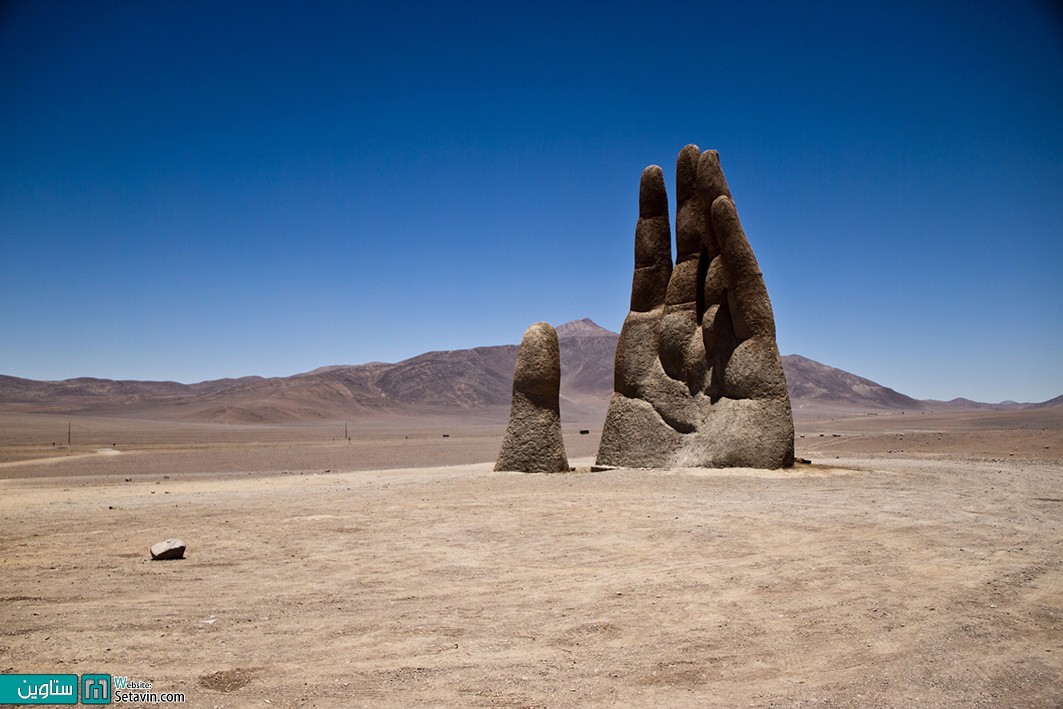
(698,379)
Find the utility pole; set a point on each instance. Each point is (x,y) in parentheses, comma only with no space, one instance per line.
(68,424)
(345,431)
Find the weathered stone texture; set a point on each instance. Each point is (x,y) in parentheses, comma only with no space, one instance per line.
(533,442)
(698,378)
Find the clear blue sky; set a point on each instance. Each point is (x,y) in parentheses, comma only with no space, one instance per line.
(194,190)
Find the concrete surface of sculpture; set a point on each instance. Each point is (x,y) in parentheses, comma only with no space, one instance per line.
(533,442)
(698,380)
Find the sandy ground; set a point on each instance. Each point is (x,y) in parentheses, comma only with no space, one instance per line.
(917,562)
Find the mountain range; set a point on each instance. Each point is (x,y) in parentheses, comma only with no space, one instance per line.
(474,382)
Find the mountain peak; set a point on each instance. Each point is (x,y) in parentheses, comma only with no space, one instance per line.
(583,328)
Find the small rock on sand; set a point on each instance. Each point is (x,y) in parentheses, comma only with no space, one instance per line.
(172,548)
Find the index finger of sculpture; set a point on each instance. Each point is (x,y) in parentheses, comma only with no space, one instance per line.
(653,243)
(747,296)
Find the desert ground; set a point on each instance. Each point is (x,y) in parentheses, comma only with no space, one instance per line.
(917,561)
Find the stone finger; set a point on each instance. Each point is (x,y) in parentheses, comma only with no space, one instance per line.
(747,296)
(682,355)
(653,243)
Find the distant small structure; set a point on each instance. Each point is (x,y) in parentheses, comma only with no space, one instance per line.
(533,441)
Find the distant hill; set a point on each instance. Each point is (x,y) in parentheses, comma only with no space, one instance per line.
(1051,403)
(812,382)
(74,392)
(473,382)
(583,328)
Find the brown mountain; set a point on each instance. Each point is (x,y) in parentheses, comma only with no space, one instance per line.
(1051,403)
(475,382)
(583,328)
(76,394)
(814,385)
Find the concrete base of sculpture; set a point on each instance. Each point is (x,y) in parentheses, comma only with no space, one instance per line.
(635,436)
